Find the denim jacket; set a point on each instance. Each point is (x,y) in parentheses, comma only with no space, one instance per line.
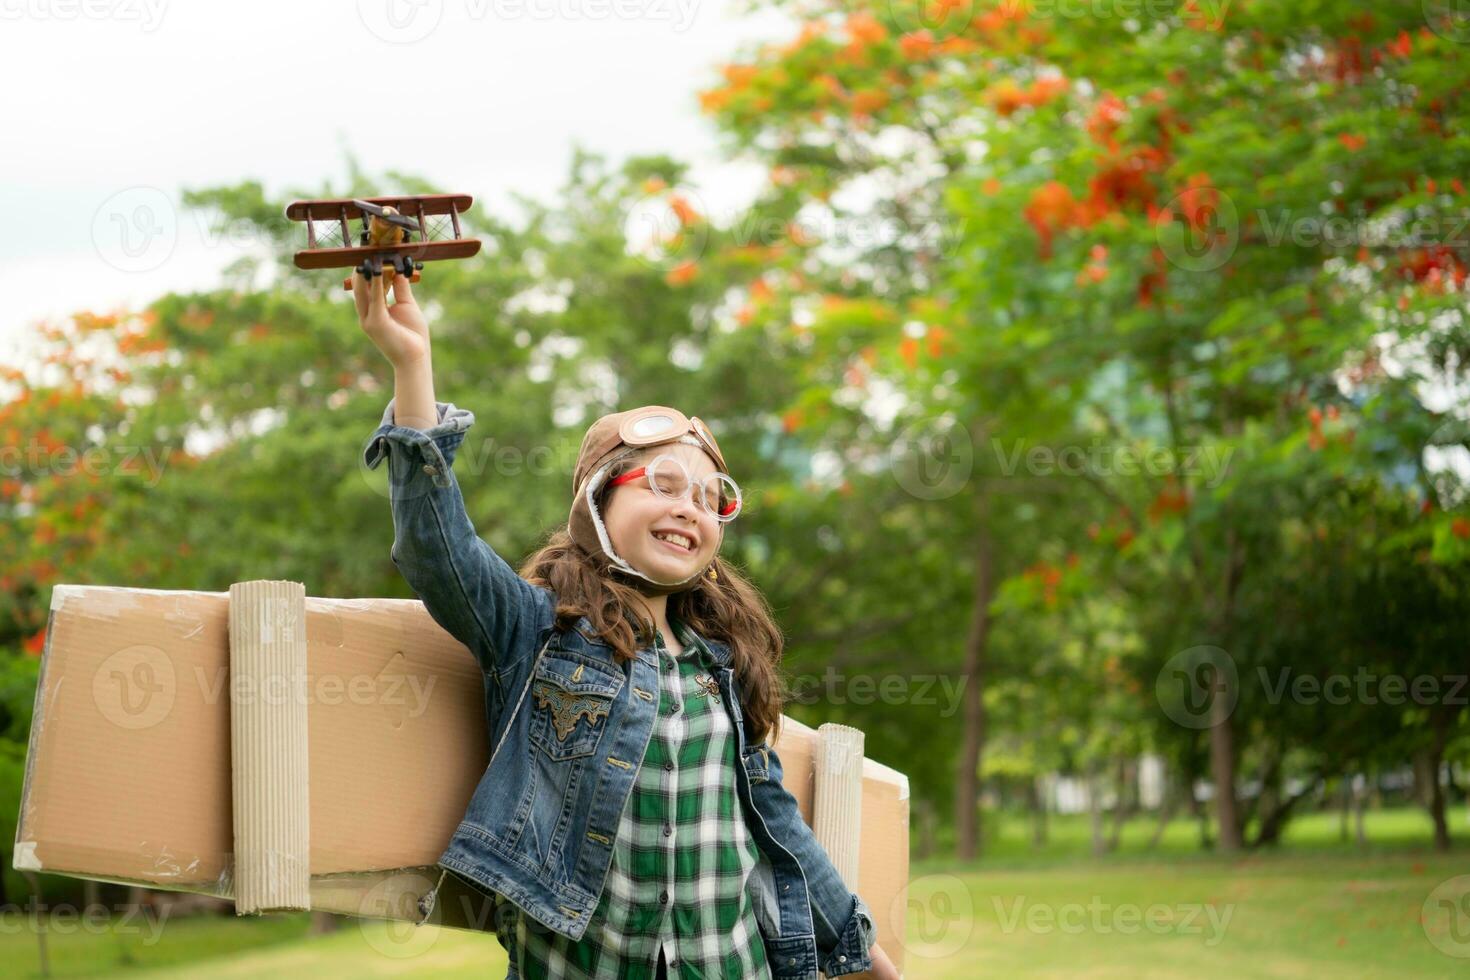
(539,828)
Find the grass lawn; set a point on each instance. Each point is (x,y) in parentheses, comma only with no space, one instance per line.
(1282,916)
(1314,906)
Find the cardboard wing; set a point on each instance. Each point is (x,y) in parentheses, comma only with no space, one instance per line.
(130,771)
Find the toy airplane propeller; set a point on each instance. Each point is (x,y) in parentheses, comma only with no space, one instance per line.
(397,235)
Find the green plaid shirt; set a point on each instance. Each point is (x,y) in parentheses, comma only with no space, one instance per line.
(681,858)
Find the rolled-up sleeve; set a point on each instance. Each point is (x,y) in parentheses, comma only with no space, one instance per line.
(851,952)
(443,438)
(464,584)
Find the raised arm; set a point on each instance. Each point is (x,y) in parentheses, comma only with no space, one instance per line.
(467,588)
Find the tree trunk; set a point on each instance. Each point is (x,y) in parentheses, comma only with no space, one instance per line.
(1426,775)
(1359,794)
(1274,819)
(1222,769)
(1166,812)
(1123,807)
(1039,804)
(1201,815)
(967,784)
(1094,809)
(924,814)
(323,923)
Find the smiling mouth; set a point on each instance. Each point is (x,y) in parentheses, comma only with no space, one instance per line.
(674,544)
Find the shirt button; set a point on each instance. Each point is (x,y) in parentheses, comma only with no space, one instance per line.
(663,897)
(668,830)
(430,469)
(669,766)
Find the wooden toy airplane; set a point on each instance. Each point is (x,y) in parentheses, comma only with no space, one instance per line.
(397,235)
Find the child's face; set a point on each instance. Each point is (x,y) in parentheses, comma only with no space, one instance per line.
(633,513)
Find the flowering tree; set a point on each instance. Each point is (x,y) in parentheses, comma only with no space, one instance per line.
(1230,233)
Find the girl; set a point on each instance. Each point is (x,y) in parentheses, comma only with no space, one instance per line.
(636,825)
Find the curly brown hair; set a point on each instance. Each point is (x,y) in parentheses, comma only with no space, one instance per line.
(730,609)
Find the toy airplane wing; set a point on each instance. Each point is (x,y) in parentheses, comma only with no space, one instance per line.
(430,232)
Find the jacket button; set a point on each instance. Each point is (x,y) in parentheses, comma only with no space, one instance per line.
(842,958)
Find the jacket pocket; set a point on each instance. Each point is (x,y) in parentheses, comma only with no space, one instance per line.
(571,698)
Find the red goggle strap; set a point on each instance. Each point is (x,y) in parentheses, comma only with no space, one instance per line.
(629,476)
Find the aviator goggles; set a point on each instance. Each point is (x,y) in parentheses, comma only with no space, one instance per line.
(668,477)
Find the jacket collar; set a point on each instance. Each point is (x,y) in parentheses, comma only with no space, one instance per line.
(718,652)
(719,649)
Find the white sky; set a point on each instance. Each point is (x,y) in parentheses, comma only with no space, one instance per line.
(114,106)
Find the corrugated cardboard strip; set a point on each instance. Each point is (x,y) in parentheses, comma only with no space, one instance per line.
(132,777)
